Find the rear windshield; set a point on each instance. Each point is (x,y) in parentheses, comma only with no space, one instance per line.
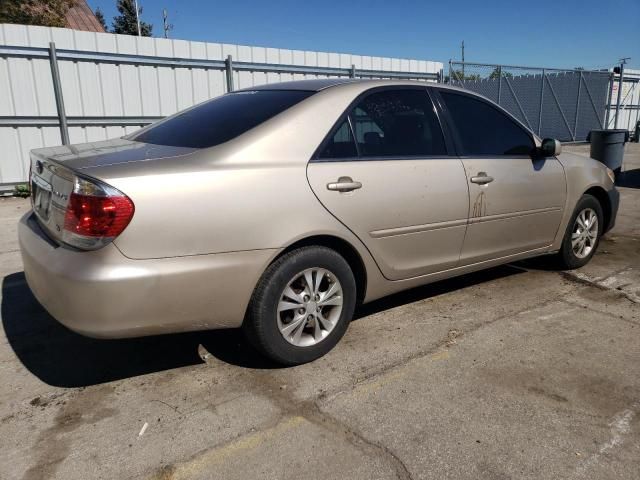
(221,119)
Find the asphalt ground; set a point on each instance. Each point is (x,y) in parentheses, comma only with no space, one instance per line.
(515,372)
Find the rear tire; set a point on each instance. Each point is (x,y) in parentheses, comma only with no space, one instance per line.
(301,306)
(582,236)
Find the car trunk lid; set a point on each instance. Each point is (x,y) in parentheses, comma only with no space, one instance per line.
(55,170)
(109,152)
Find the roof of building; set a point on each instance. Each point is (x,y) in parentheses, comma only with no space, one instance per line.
(81,17)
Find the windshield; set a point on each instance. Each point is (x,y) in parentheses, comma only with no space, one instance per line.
(221,119)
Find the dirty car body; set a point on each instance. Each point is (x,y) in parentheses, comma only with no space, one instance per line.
(213,196)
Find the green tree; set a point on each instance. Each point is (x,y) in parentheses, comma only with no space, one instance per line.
(49,13)
(496,73)
(126,22)
(100,17)
(458,76)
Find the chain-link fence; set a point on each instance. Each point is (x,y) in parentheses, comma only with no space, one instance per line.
(561,104)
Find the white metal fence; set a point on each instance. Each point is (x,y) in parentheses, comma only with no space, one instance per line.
(113,84)
(629,113)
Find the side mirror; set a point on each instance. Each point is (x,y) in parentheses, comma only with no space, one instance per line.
(550,147)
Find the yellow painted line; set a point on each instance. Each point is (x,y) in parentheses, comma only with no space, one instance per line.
(209,458)
(369,387)
(441,355)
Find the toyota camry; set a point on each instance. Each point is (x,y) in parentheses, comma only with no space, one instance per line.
(281,208)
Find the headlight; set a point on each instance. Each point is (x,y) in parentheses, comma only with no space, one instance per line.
(612,175)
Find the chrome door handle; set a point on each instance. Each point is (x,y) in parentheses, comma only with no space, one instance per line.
(482,178)
(344,184)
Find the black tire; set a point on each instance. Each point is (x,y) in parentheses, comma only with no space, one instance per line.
(566,259)
(261,322)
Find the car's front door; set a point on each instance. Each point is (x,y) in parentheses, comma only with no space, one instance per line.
(386,174)
(516,198)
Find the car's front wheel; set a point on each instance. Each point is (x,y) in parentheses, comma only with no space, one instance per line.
(582,235)
(302,305)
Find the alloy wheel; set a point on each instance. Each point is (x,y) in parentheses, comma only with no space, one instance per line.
(309,307)
(585,233)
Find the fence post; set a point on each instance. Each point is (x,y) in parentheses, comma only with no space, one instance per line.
(449,79)
(575,122)
(57,91)
(499,82)
(541,101)
(352,71)
(610,97)
(229,70)
(620,80)
(637,112)
(631,93)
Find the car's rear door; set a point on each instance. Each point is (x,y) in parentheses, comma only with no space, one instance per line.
(516,198)
(387,174)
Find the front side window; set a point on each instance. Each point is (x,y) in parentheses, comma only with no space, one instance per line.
(483,129)
(221,119)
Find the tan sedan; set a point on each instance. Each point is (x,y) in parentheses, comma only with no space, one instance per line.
(282,207)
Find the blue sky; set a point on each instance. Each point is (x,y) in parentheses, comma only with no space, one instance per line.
(560,33)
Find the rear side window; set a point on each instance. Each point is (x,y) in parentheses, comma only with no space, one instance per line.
(483,129)
(341,144)
(397,123)
(221,119)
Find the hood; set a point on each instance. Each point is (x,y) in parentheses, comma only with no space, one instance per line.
(118,151)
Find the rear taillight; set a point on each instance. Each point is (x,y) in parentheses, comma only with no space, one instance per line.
(95,215)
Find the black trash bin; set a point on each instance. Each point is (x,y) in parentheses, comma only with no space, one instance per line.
(607,146)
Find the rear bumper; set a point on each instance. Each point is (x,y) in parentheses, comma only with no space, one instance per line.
(614,202)
(107,295)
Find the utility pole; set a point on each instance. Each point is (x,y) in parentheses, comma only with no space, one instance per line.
(166,26)
(462,46)
(623,61)
(138,18)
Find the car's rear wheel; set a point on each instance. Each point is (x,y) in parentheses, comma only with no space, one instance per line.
(582,235)
(302,305)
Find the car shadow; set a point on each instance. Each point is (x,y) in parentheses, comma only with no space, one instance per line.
(62,358)
(438,288)
(629,178)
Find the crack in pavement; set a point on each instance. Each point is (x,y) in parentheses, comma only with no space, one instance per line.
(266,384)
(316,415)
(602,312)
(445,343)
(311,411)
(579,277)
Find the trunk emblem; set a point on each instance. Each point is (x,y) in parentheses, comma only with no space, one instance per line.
(62,196)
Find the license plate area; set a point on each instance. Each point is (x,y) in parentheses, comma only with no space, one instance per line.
(41,193)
